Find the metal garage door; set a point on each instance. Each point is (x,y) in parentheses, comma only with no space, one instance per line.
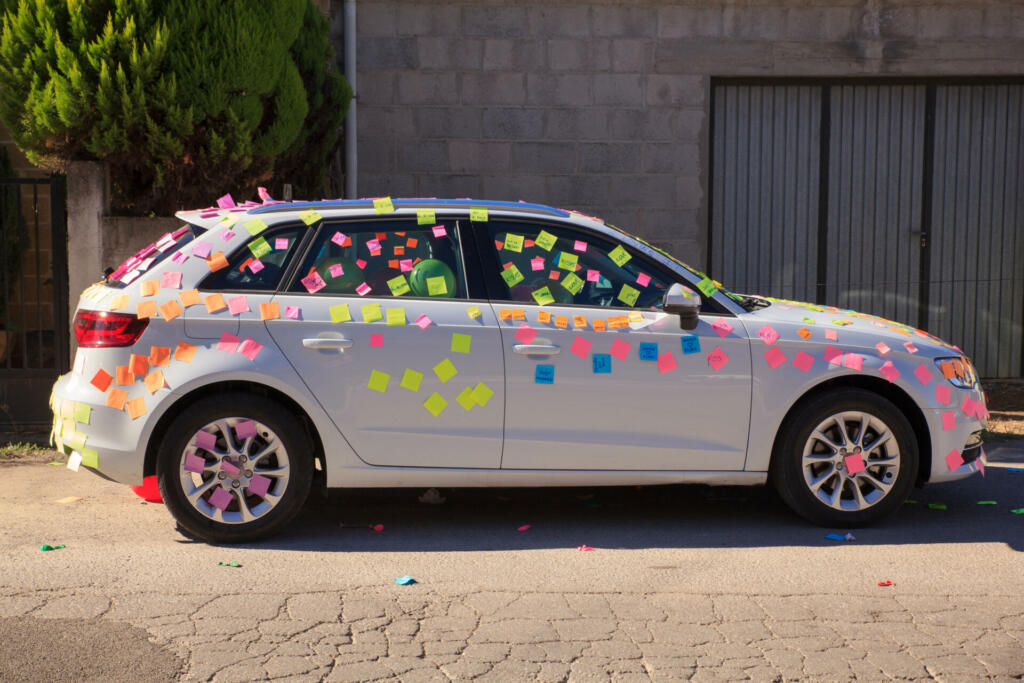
(902,199)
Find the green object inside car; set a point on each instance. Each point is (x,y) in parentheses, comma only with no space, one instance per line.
(422,276)
(345,283)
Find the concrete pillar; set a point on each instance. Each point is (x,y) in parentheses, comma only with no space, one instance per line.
(87,198)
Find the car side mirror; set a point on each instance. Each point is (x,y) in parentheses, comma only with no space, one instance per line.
(685,303)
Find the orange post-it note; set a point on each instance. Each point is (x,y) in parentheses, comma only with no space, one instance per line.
(394,263)
(190,297)
(139,365)
(171,310)
(217,261)
(518,314)
(618,322)
(150,287)
(579,321)
(599,325)
(561,321)
(159,356)
(215,302)
(155,381)
(116,399)
(270,311)
(544,316)
(804,333)
(504,314)
(145,309)
(136,407)
(101,380)
(399,251)
(412,242)
(124,376)
(185,352)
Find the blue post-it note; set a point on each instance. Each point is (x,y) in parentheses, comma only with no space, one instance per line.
(545,374)
(834,537)
(691,343)
(649,352)
(405,580)
(602,363)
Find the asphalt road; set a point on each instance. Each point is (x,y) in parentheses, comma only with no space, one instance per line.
(683,582)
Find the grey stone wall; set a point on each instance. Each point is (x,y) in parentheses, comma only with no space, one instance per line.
(603,106)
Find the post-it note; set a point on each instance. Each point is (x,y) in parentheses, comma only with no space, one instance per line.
(461,342)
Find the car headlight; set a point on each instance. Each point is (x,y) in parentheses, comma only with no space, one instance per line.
(958,371)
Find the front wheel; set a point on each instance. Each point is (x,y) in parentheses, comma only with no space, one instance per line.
(234,468)
(846,458)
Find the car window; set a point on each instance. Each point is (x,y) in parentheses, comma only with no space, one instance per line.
(384,258)
(555,264)
(260,264)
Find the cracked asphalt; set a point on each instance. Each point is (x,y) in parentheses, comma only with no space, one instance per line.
(684,583)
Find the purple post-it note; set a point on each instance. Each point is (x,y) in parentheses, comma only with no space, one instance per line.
(245,429)
(205,440)
(221,498)
(259,485)
(202,249)
(229,467)
(193,463)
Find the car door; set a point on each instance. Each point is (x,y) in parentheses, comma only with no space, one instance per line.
(378,322)
(597,377)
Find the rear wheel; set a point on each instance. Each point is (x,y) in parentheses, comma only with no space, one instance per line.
(845,458)
(234,468)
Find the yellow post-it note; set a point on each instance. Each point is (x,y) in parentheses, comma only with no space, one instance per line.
(395,316)
(461,342)
(145,309)
(90,458)
(545,240)
(628,295)
(436,286)
(82,413)
(378,381)
(514,243)
(425,217)
(371,313)
(619,256)
(259,247)
(190,297)
(255,226)
(473,312)
(567,261)
(445,370)
(482,394)
(399,285)
(543,296)
(310,217)
(478,214)
(465,398)
(573,283)
(512,276)
(543,317)
(150,287)
(636,317)
(383,205)
(435,404)
(270,310)
(411,380)
(340,313)
(707,287)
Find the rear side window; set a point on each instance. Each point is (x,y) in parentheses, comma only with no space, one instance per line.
(259,265)
(152,255)
(383,259)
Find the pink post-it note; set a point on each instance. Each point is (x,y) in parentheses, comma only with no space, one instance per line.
(717,358)
(942,393)
(768,335)
(923,374)
(643,279)
(954,460)
(238,304)
(666,362)
(439,231)
(205,440)
(405,265)
(363,289)
(226,235)
(193,463)
(250,348)
(579,245)
(376,339)
(722,327)
(423,322)
(245,428)
(259,485)
(226,202)
(228,342)
(202,249)
(537,263)
(229,467)
(833,356)
(256,265)
(336,270)
(373,245)
(361,263)
(831,335)
(775,357)
(948,421)
(221,498)
(580,347)
(281,243)
(593,275)
(854,361)
(525,527)
(179,257)
(911,348)
(554,275)
(889,371)
(803,361)
(313,282)
(340,238)
(170,280)
(969,406)
(620,349)
(291,312)
(854,463)
(525,334)
(883,348)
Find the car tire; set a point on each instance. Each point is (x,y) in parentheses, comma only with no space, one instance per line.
(256,441)
(818,447)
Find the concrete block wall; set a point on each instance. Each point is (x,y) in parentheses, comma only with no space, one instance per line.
(603,106)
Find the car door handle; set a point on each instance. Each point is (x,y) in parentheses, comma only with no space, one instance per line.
(536,349)
(326,343)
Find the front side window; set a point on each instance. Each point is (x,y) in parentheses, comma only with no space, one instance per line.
(384,258)
(259,265)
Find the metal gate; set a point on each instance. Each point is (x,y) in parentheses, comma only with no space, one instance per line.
(34,297)
(900,198)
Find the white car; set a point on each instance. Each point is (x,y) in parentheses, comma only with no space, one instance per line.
(265,348)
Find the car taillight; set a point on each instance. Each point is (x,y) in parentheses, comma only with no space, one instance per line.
(96,329)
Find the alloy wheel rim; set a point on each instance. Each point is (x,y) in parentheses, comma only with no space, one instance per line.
(851,440)
(238,465)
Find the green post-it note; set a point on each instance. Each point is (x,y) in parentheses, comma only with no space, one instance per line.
(545,240)
(482,394)
(396,316)
(514,243)
(573,283)
(628,295)
(90,458)
(399,285)
(445,370)
(478,214)
(378,381)
(465,398)
(259,247)
(82,413)
(436,286)
(567,261)
(707,287)
(461,342)
(340,313)
(371,313)
(411,380)
(512,276)
(435,404)
(543,296)
(619,256)
(425,217)
(383,205)
(255,226)
(310,217)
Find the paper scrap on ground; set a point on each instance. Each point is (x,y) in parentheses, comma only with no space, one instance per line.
(405,580)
